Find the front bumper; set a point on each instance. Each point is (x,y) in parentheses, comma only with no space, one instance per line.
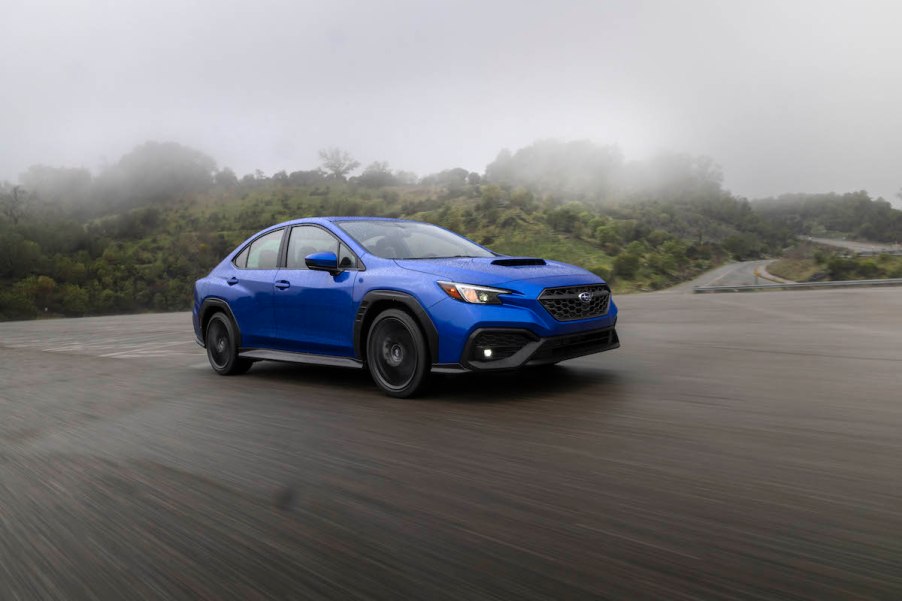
(512,348)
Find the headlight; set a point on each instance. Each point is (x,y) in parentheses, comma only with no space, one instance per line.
(479,295)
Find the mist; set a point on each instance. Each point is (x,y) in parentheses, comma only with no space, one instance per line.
(785,97)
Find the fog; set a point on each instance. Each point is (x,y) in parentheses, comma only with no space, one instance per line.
(786,97)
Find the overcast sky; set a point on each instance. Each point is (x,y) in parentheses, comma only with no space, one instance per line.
(785,96)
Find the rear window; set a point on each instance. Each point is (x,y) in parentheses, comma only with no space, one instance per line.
(262,253)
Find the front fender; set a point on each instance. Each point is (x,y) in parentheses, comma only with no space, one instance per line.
(379,299)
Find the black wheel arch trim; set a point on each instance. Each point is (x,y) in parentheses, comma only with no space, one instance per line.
(206,308)
(373,297)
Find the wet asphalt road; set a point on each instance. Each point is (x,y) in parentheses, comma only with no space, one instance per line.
(736,447)
(732,274)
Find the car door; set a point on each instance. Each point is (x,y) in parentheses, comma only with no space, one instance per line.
(251,289)
(314,309)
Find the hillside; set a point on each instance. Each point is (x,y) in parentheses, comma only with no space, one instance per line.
(855,215)
(135,237)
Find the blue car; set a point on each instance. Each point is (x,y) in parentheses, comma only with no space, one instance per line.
(402,299)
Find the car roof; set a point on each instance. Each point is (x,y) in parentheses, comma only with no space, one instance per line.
(322,220)
(364,219)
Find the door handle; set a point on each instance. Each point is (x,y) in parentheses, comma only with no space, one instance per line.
(232,281)
(282,284)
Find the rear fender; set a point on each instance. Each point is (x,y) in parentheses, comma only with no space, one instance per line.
(210,306)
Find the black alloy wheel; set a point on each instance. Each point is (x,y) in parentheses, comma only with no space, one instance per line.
(396,354)
(222,348)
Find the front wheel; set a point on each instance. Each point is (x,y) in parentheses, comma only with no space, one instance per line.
(396,354)
(222,347)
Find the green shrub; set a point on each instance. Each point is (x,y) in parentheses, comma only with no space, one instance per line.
(626,265)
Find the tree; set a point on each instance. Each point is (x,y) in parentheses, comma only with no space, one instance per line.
(626,265)
(18,256)
(577,169)
(406,178)
(306,178)
(15,305)
(376,175)
(225,178)
(337,162)
(567,218)
(157,172)
(12,202)
(452,179)
(60,186)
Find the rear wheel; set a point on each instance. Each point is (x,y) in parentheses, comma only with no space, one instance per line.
(396,354)
(222,347)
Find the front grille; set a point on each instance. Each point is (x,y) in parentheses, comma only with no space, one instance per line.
(565,304)
(502,345)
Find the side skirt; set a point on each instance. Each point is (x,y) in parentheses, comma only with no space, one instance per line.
(288,357)
(449,368)
(310,359)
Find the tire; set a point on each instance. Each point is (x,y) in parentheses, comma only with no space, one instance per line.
(396,354)
(222,347)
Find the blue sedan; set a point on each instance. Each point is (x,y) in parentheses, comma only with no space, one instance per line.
(401,298)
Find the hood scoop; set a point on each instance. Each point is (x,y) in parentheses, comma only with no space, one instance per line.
(518,261)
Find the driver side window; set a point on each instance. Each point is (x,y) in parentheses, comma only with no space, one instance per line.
(306,240)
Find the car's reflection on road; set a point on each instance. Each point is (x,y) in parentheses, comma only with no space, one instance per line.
(550,380)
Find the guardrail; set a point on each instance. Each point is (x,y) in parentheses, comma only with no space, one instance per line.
(800,286)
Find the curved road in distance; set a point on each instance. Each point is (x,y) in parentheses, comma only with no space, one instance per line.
(736,447)
(855,245)
(732,274)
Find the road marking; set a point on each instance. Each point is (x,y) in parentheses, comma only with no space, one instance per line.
(145,349)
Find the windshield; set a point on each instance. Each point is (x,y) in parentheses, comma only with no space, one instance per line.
(410,240)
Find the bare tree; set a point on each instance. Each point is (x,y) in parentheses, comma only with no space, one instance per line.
(339,163)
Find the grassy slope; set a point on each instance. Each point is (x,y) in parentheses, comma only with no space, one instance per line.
(809,262)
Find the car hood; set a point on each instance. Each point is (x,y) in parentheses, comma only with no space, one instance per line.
(492,271)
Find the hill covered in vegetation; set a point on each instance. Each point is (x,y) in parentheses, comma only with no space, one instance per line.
(855,215)
(135,236)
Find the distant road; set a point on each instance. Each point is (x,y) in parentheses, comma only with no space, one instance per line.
(736,447)
(856,246)
(734,274)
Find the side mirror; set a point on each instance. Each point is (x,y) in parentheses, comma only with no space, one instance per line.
(326,261)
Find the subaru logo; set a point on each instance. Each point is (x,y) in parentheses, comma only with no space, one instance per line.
(585,297)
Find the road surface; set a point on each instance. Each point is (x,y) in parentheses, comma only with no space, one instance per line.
(732,274)
(856,246)
(736,447)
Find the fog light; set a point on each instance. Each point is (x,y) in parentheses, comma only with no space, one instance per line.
(487,353)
